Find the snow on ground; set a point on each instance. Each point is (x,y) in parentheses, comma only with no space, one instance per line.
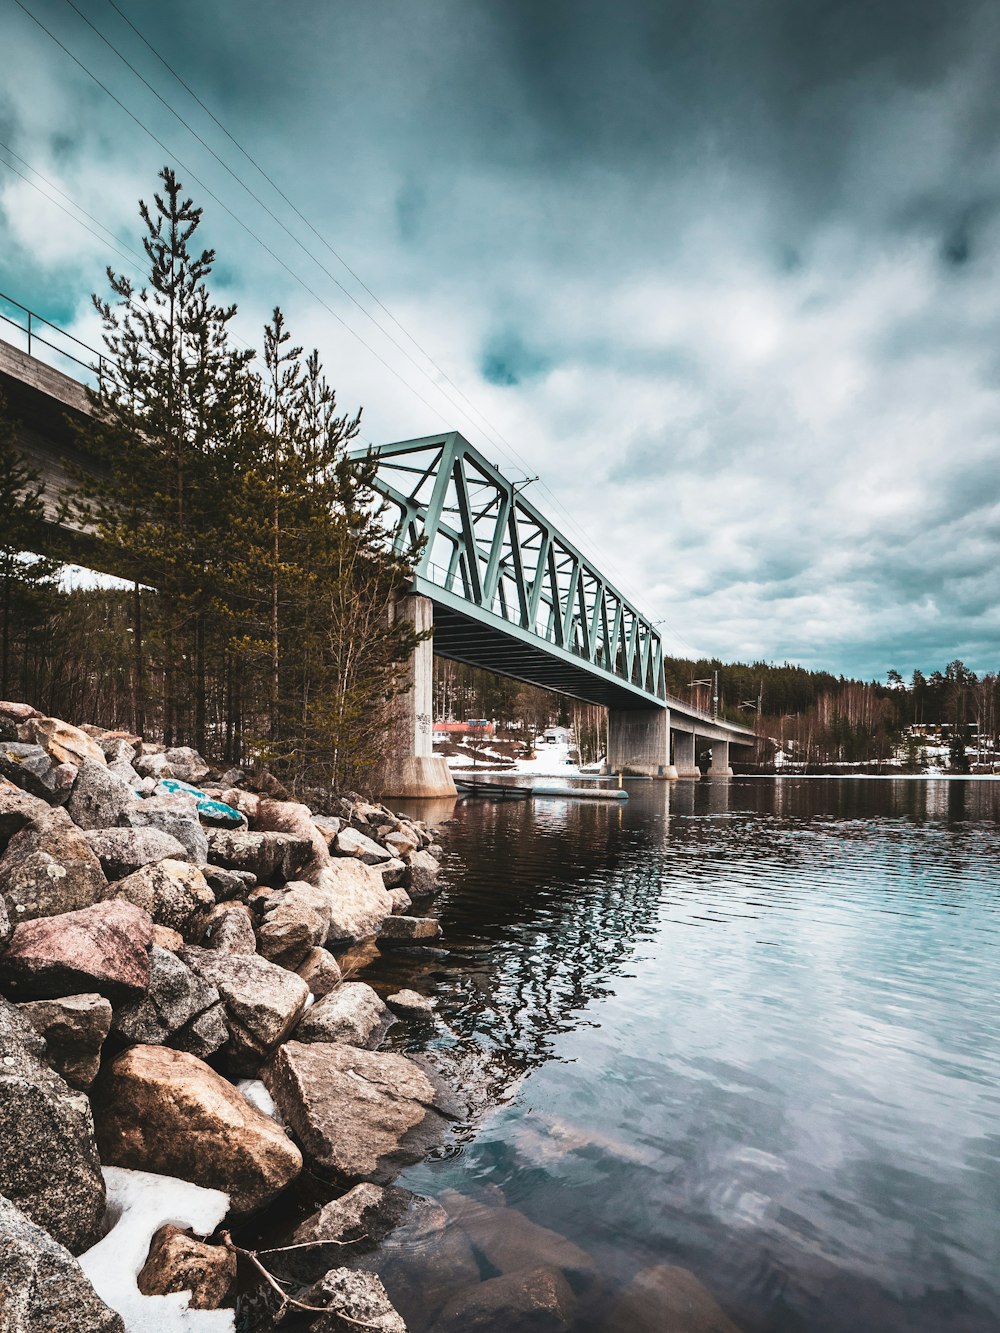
(550,760)
(257,1095)
(139,1203)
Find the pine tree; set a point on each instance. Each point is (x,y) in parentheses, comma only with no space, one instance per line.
(27,593)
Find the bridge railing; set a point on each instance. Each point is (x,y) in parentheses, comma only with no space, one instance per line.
(37,334)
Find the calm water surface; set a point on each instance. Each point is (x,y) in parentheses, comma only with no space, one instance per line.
(748,1027)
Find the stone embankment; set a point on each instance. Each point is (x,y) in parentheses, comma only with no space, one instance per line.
(184,1063)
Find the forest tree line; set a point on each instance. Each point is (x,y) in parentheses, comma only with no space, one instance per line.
(256,626)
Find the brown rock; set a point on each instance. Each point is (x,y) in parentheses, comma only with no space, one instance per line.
(667,1296)
(263,1002)
(359,1115)
(320,971)
(536,1300)
(174,893)
(179,1262)
(49,868)
(351,842)
(421,874)
(292,817)
(101,948)
(165,938)
(166,1111)
(66,744)
(408,930)
(509,1241)
(411,1004)
(229,929)
(75,1029)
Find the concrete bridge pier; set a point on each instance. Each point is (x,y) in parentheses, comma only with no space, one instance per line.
(684,755)
(411,768)
(639,742)
(719,767)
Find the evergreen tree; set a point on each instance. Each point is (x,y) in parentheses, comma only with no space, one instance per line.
(27,594)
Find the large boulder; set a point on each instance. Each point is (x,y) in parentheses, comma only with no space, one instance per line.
(75,1029)
(186,763)
(320,971)
(165,1111)
(293,923)
(358,1115)
(42,1287)
(49,868)
(229,928)
(179,1262)
(12,716)
(174,893)
(350,842)
(421,874)
(48,1159)
(65,744)
(668,1296)
(100,798)
(123,851)
(102,948)
(18,808)
(32,768)
(510,1242)
(269,856)
(408,930)
(176,816)
(228,885)
(535,1300)
(297,819)
(412,1005)
(352,1013)
(179,1009)
(359,901)
(263,1002)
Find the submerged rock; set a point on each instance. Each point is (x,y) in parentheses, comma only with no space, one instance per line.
(165,1111)
(668,1296)
(43,1289)
(535,1300)
(509,1241)
(358,1115)
(49,1167)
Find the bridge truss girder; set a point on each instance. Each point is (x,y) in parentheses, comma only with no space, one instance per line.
(512,593)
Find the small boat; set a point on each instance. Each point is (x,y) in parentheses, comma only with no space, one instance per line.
(506,791)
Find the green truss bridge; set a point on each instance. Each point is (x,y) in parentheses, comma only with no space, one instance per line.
(497,582)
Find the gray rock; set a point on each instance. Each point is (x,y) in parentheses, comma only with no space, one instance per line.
(229,884)
(154,765)
(422,874)
(268,856)
(359,1297)
(357,1115)
(229,929)
(410,1004)
(42,1287)
(170,816)
(179,1009)
(320,971)
(352,1013)
(75,1029)
(32,768)
(17,810)
(402,841)
(299,920)
(119,749)
(350,842)
(263,1002)
(49,1167)
(408,930)
(359,902)
(122,851)
(393,872)
(49,868)
(401,900)
(329,827)
(6,925)
(174,893)
(354,1224)
(99,799)
(187,764)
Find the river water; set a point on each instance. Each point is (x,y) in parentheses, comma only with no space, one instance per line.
(746,1027)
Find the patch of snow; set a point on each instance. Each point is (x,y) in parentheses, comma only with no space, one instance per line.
(139,1203)
(257,1095)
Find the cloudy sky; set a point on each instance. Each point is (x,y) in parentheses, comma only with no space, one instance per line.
(723,274)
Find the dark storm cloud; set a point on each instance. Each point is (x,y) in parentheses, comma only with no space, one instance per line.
(723,273)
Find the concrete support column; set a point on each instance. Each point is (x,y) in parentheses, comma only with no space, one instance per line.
(411,768)
(639,742)
(684,756)
(720,760)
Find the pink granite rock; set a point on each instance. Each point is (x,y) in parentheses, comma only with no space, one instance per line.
(103,948)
